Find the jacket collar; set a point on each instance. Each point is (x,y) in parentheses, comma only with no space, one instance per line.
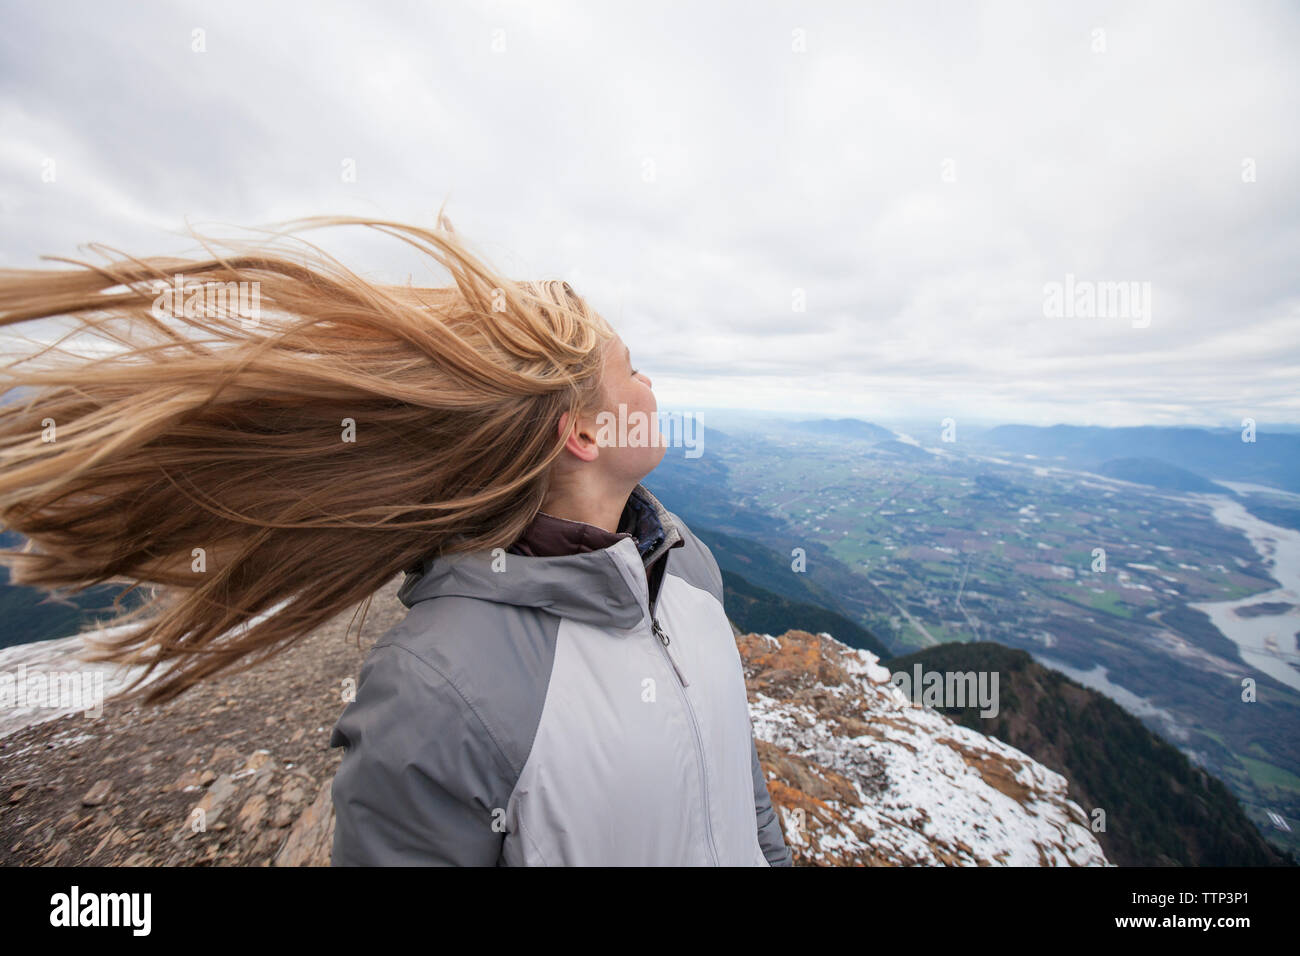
(603,586)
(549,535)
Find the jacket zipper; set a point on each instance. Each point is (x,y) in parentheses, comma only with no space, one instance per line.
(695,727)
(663,639)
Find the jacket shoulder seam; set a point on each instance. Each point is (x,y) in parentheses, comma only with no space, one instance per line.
(710,562)
(469,706)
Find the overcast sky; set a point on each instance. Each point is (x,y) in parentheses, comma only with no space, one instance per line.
(848,208)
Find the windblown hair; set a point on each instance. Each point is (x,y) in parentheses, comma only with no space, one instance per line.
(257,474)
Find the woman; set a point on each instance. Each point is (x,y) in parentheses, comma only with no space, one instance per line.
(565,687)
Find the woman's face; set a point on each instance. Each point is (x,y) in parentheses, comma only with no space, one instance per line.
(632,445)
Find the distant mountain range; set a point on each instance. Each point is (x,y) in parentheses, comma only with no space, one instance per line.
(1170,458)
(1272,459)
(1176,458)
(1158,474)
(901,449)
(852,428)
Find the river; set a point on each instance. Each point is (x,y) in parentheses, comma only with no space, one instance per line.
(1266,642)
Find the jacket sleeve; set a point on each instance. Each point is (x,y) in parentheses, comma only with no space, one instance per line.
(421,775)
(770,837)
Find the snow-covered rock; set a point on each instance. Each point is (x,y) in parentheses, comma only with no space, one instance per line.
(861,776)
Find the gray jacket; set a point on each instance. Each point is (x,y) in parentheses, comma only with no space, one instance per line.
(541,711)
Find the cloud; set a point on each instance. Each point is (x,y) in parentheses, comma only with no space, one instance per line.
(842,207)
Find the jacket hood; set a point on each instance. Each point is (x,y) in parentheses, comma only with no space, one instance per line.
(606,586)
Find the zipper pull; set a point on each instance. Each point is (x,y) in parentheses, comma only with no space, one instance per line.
(659,631)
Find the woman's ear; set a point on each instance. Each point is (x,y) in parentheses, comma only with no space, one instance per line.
(581,439)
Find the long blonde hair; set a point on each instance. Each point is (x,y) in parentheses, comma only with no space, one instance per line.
(305,455)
